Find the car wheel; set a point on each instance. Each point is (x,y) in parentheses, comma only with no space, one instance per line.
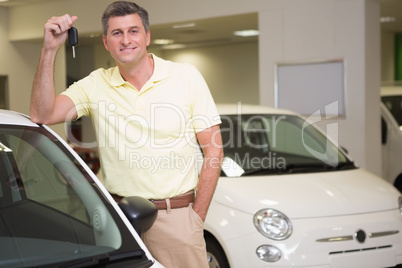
(215,254)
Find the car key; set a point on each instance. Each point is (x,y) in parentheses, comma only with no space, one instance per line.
(73,39)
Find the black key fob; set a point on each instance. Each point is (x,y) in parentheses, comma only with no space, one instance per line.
(73,38)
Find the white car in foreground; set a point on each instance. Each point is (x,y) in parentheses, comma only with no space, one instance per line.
(54,212)
(288,197)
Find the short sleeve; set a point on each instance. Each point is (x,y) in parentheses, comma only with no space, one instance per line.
(205,113)
(78,92)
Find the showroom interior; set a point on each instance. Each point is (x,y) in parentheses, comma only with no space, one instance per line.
(236,68)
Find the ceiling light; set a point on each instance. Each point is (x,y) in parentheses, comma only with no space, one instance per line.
(93,35)
(387,19)
(174,46)
(3,0)
(184,25)
(163,41)
(246,33)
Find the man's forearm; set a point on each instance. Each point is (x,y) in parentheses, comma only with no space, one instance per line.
(207,184)
(210,141)
(43,100)
(43,92)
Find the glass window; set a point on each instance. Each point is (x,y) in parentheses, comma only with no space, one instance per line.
(51,210)
(48,183)
(394,105)
(277,143)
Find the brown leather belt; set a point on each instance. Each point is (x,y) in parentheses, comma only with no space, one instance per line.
(179,201)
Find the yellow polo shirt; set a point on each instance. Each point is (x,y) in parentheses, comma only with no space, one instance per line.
(147,137)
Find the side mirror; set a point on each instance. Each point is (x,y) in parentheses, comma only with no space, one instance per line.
(140,212)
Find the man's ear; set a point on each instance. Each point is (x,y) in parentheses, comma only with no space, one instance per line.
(148,38)
(105,42)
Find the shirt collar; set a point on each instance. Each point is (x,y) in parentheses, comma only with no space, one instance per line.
(161,71)
(117,79)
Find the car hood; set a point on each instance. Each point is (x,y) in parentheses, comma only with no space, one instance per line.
(309,195)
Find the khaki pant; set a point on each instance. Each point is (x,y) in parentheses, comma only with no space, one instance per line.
(176,239)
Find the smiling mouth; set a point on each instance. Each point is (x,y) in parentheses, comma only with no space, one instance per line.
(127,49)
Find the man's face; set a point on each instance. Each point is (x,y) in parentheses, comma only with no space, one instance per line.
(126,39)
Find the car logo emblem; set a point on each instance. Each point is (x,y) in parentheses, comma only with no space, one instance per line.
(360,236)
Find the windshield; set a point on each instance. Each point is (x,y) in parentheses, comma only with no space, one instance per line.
(51,210)
(264,143)
(394,105)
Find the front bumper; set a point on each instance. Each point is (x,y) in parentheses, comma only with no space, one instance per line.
(324,242)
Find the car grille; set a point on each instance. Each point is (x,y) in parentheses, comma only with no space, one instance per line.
(359,235)
(359,250)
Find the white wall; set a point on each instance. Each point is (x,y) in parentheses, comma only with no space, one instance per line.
(231,76)
(15,63)
(290,31)
(310,31)
(371,92)
(18,60)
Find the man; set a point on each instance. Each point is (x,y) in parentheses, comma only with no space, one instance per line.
(148,115)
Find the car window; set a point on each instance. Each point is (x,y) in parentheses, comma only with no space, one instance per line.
(287,137)
(394,105)
(51,209)
(276,143)
(46,182)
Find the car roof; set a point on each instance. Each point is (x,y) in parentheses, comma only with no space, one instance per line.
(8,117)
(250,109)
(391,90)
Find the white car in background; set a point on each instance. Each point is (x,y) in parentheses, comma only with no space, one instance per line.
(54,212)
(289,197)
(391,134)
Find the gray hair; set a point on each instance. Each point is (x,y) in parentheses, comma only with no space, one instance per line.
(123,8)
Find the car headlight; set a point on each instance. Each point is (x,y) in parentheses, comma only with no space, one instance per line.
(273,224)
(268,253)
